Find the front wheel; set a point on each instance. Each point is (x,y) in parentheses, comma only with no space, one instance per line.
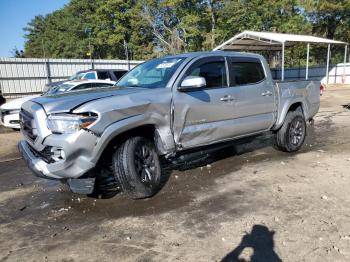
(137,167)
(291,136)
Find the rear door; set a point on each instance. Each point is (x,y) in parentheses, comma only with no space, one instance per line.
(204,115)
(254,95)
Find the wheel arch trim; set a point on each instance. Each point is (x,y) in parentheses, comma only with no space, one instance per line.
(288,105)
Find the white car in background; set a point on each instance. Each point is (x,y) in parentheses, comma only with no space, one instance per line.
(9,112)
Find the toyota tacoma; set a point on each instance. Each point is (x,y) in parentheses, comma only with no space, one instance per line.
(164,109)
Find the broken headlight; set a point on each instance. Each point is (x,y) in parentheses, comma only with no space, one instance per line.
(70,123)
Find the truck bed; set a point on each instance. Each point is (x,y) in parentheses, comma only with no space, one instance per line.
(307,92)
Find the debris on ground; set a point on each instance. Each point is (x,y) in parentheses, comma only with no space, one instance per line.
(22,208)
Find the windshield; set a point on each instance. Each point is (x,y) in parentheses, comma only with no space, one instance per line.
(77,76)
(59,89)
(151,74)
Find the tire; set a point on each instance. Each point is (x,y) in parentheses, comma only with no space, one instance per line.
(137,168)
(291,136)
(106,185)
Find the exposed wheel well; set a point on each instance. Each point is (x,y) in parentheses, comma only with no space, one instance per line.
(147,131)
(296,106)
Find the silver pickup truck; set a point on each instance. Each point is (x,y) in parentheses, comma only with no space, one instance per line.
(162,109)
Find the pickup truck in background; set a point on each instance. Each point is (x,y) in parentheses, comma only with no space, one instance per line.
(91,74)
(163,109)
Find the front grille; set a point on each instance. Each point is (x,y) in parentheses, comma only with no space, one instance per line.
(45,154)
(26,122)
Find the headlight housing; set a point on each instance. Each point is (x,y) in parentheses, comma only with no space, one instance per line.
(70,123)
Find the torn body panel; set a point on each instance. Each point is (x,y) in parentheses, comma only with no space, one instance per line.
(123,113)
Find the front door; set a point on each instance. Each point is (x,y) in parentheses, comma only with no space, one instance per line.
(204,116)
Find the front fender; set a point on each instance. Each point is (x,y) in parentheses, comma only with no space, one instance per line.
(163,133)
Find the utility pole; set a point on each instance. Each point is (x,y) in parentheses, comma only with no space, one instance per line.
(88,31)
(47,65)
(43,47)
(126,53)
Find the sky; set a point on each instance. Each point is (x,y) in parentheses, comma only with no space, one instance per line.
(14,16)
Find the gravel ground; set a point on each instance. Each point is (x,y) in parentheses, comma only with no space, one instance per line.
(256,204)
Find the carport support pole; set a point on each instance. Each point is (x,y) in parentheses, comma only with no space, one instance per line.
(344,67)
(328,58)
(307,61)
(282,74)
(345,54)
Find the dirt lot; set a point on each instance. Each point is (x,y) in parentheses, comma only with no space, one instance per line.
(255,205)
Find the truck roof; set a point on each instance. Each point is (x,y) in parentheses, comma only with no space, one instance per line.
(99,70)
(213,53)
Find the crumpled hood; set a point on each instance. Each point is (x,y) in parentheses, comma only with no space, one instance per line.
(66,102)
(17,103)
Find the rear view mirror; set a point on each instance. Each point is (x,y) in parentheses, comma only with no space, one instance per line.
(192,82)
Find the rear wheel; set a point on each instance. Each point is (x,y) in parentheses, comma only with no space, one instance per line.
(291,136)
(137,167)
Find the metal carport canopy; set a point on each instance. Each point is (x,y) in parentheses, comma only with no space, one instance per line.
(268,41)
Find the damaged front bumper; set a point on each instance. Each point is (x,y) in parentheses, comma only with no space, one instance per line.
(60,170)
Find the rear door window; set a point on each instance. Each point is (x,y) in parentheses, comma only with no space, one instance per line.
(247,72)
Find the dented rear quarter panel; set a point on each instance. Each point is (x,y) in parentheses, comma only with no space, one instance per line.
(306,93)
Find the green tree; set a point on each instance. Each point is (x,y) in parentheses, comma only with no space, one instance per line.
(330,19)
(122,31)
(61,34)
(34,34)
(142,29)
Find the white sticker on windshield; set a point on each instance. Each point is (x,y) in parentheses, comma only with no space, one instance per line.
(166,65)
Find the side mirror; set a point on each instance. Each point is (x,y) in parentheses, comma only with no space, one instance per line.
(133,81)
(193,82)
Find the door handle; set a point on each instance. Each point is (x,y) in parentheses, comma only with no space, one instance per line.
(267,93)
(227,98)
